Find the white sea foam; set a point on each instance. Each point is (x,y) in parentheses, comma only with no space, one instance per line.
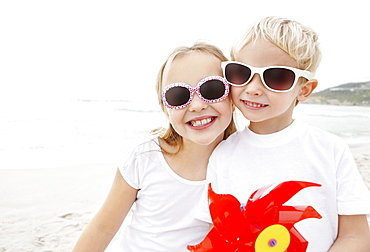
(97,131)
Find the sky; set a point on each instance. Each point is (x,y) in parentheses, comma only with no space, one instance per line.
(112,50)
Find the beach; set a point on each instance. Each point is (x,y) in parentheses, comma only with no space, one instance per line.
(46,209)
(57,175)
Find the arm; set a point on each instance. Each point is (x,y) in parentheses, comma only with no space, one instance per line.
(353,234)
(102,228)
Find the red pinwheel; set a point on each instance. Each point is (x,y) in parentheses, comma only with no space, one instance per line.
(263,225)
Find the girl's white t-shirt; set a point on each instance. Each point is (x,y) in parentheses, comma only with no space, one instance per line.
(162,218)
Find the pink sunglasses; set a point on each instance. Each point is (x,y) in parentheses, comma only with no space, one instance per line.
(210,89)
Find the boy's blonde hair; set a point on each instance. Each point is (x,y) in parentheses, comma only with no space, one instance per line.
(169,135)
(299,41)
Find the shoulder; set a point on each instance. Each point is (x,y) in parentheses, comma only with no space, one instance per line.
(139,147)
(143,144)
(230,143)
(137,160)
(324,142)
(323,135)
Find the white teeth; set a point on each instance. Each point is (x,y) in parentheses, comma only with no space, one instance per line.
(201,122)
(253,104)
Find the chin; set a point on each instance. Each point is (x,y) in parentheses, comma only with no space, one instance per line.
(204,142)
(209,141)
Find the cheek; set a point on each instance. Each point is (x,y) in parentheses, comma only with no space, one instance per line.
(235,93)
(282,100)
(225,107)
(174,116)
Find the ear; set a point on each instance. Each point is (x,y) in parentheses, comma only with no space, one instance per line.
(306,90)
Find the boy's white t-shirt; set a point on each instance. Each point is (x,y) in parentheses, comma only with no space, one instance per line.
(247,161)
(162,218)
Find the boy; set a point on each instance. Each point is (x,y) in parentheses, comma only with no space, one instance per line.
(276,148)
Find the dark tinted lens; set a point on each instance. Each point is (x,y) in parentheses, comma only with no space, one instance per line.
(212,89)
(177,96)
(237,74)
(279,78)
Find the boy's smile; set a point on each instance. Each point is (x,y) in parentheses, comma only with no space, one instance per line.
(254,105)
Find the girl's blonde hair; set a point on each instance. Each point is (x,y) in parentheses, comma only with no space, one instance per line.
(299,41)
(169,135)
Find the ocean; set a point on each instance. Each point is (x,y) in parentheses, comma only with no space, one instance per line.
(82,132)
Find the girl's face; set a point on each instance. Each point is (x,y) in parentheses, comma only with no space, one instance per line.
(200,122)
(267,111)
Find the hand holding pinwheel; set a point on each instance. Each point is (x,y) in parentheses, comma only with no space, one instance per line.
(263,225)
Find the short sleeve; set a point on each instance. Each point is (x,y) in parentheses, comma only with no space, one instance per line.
(353,197)
(129,168)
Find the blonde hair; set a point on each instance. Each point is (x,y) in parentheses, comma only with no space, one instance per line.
(169,135)
(299,41)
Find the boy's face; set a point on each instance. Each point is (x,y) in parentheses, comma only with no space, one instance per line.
(267,111)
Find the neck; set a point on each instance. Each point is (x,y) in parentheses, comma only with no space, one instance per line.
(191,161)
(274,124)
(269,126)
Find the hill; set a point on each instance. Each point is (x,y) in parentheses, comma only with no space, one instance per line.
(350,94)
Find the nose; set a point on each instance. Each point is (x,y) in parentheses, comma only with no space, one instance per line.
(255,85)
(197,104)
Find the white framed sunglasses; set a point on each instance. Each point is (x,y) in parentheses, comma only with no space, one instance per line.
(274,78)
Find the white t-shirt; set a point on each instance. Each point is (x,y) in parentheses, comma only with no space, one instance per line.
(247,161)
(162,218)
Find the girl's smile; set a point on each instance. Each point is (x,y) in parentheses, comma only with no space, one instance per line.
(202,123)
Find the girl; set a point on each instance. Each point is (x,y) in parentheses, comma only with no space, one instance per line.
(165,176)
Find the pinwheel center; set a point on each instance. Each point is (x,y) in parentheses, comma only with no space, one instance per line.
(275,238)
(272,242)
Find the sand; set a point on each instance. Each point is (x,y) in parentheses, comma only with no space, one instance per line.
(46,210)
